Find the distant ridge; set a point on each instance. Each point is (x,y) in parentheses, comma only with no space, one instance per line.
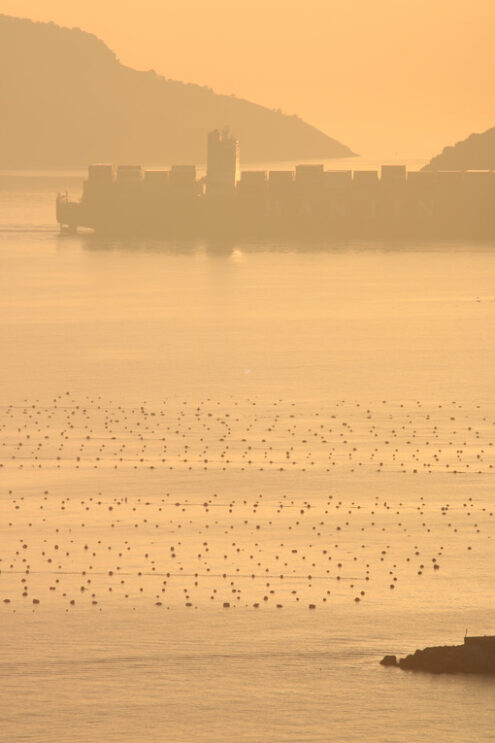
(477,152)
(67,101)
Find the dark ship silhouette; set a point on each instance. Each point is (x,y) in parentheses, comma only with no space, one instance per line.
(308,202)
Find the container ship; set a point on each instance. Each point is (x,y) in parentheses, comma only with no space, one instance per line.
(307,202)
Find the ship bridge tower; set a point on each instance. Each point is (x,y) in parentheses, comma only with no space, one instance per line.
(222,164)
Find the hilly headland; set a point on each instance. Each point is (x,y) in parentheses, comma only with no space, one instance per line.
(70,101)
(476,152)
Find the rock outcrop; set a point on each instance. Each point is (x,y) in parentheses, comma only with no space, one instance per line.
(447,659)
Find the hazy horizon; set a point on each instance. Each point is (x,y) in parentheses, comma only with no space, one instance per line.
(328,62)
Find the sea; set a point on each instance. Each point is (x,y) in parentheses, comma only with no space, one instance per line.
(233,477)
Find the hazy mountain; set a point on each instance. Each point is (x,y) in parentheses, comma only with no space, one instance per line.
(477,152)
(65,99)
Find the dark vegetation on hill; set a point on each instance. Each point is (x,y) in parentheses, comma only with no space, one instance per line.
(66,100)
(477,152)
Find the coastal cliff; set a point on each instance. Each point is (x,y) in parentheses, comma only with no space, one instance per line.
(69,101)
(467,658)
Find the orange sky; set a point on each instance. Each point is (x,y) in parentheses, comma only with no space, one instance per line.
(383,76)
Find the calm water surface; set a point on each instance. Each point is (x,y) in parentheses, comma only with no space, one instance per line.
(319,412)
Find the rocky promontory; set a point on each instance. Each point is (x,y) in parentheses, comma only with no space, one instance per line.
(467,658)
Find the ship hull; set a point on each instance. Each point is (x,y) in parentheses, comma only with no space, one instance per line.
(272,219)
